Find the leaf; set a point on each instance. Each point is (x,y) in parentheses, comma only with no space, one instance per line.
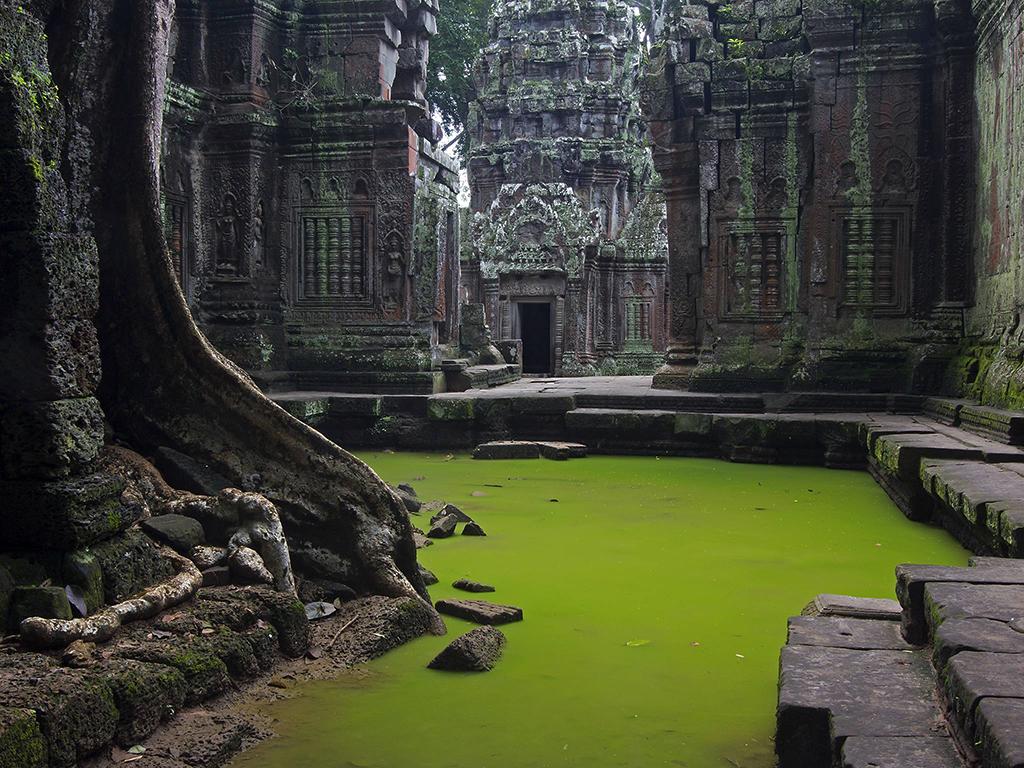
(76,596)
(138,749)
(637,643)
(319,610)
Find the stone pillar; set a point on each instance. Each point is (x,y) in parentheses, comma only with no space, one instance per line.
(673,100)
(51,424)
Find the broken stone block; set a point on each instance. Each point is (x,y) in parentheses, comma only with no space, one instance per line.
(1000,739)
(476,651)
(466,585)
(480,611)
(473,529)
(443,527)
(450,510)
(843,632)
(854,607)
(178,532)
(409,499)
(47,602)
(559,451)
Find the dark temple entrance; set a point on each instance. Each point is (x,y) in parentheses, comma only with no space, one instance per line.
(535,332)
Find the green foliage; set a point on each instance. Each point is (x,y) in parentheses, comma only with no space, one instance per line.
(461,34)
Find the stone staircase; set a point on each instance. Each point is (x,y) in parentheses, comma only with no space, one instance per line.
(934,681)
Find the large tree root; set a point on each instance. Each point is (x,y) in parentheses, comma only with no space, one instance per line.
(163,383)
(101,626)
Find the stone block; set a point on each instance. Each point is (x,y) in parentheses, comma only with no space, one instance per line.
(1000,425)
(974,634)
(82,569)
(475,651)
(911,581)
(693,425)
(145,696)
(843,632)
(50,439)
(855,607)
(901,454)
(972,676)
(507,449)
(178,532)
(999,736)
(356,405)
(130,562)
(942,601)
(559,451)
(480,611)
(63,514)
(21,742)
(46,602)
(829,694)
(450,409)
(900,752)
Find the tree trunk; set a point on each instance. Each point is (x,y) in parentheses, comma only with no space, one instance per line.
(163,383)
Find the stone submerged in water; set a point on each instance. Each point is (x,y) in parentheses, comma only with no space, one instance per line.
(450,510)
(479,611)
(476,651)
(443,527)
(473,529)
(472,586)
(427,575)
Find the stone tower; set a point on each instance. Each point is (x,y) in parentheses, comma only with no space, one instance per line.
(309,209)
(568,247)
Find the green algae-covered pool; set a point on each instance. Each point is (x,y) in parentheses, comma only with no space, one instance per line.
(655,593)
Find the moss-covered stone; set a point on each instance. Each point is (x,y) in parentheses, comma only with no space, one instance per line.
(21,742)
(450,409)
(145,694)
(47,602)
(130,562)
(82,569)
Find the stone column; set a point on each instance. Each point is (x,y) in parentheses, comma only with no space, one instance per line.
(673,101)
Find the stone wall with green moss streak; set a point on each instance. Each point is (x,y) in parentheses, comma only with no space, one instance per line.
(992,367)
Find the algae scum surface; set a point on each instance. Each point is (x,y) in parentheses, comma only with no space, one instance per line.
(655,593)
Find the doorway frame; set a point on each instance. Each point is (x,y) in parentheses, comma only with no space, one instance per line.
(514,302)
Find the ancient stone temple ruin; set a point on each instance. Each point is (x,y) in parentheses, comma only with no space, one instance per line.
(817,163)
(310,212)
(568,247)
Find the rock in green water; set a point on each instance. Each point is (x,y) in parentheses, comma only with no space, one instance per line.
(656,594)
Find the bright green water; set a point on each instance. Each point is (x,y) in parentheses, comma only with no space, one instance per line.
(655,594)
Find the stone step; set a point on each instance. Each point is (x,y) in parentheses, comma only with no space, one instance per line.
(1002,425)
(912,581)
(985,692)
(829,696)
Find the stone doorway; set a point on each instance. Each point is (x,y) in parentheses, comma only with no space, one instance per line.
(534,320)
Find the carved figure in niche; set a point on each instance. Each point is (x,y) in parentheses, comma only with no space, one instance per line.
(733,192)
(263,76)
(397,274)
(306,189)
(236,73)
(895,179)
(334,187)
(228,238)
(259,234)
(777,196)
(361,189)
(847,178)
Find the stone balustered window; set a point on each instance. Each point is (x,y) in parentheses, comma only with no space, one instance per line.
(333,257)
(176,233)
(638,310)
(873,252)
(753,265)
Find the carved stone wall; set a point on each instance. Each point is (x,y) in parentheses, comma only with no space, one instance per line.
(991,367)
(313,218)
(808,151)
(559,171)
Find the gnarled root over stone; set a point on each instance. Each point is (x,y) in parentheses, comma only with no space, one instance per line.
(101,626)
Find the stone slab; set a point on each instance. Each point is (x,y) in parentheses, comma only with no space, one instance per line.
(507,449)
(911,581)
(974,634)
(999,724)
(900,752)
(480,611)
(1000,602)
(857,607)
(1004,426)
(560,451)
(901,454)
(829,694)
(973,675)
(843,632)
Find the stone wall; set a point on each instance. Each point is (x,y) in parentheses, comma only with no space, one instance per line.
(992,366)
(814,157)
(309,208)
